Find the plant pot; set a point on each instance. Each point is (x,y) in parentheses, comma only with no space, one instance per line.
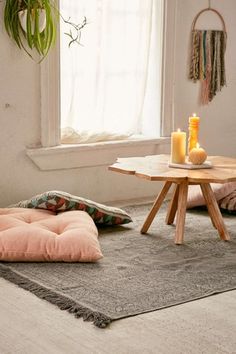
(23,20)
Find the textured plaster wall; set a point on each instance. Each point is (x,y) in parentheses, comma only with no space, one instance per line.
(20,119)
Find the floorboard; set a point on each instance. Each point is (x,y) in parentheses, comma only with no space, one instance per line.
(29,325)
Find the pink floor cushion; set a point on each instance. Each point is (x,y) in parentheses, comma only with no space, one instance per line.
(61,201)
(41,235)
(195,197)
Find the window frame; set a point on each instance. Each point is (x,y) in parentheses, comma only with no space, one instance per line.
(50,103)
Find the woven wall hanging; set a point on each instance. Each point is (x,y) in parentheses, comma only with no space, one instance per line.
(207,60)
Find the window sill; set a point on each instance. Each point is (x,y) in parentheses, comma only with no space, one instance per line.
(96,154)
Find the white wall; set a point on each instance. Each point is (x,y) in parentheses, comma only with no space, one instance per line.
(20,119)
(218,119)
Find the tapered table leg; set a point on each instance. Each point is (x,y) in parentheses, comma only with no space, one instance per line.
(214,211)
(210,214)
(170,217)
(181,213)
(156,206)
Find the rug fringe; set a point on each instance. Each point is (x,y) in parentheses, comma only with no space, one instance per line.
(62,302)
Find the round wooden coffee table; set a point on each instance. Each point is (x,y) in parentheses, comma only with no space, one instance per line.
(155,168)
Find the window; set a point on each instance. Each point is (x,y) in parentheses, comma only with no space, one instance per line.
(112,85)
(53,155)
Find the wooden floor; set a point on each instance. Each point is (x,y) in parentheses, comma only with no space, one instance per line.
(29,325)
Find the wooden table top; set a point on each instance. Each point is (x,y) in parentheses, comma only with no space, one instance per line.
(155,168)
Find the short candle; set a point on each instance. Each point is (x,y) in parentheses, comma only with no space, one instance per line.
(178,147)
(197,155)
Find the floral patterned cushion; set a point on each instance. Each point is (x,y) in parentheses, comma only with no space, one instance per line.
(58,201)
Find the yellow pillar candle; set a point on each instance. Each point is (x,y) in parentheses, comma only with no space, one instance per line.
(178,147)
(193,132)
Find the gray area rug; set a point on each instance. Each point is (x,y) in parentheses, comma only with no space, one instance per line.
(139,273)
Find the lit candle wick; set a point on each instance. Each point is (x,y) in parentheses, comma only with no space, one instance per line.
(178,130)
(194,115)
(198,146)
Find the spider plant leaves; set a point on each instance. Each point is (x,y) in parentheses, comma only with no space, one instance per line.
(34,37)
(11,21)
(23,23)
(52,20)
(28,32)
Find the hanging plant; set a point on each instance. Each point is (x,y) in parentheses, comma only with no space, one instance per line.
(33,24)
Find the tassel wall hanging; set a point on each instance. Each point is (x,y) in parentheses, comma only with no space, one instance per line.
(207,61)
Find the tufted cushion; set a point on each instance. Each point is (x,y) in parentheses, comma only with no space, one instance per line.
(61,201)
(40,235)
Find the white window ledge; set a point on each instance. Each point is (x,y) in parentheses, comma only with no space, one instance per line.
(96,154)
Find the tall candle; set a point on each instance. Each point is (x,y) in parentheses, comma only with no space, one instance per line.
(193,132)
(178,147)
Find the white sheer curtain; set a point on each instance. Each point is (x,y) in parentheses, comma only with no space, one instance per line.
(110,86)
